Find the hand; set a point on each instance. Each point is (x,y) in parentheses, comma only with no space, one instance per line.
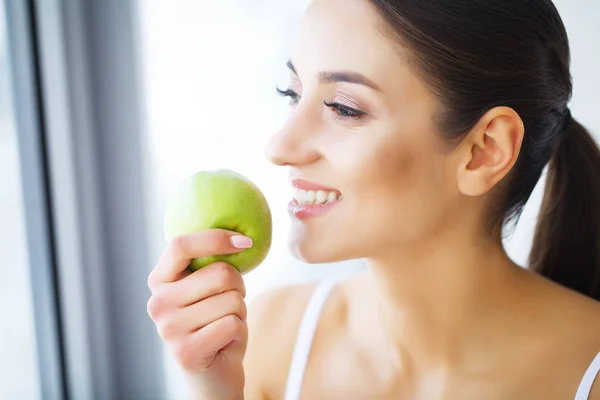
(201,315)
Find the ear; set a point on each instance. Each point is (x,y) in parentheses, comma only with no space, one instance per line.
(489,151)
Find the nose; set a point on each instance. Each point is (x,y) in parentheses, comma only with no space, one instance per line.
(294,144)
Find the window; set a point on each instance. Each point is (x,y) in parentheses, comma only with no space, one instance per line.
(18,355)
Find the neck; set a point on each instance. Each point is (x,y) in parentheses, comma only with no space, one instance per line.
(434,298)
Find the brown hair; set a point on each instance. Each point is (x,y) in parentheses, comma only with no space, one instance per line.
(479,54)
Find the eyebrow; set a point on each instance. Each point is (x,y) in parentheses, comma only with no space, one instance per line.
(341,76)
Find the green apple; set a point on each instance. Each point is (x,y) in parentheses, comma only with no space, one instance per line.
(221,199)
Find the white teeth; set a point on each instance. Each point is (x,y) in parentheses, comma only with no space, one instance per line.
(299,195)
(321,197)
(302,196)
(331,197)
(315,197)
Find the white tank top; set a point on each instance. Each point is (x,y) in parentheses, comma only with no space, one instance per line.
(308,327)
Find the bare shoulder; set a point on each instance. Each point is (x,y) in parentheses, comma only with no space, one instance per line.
(574,335)
(577,317)
(566,306)
(584,313)
(589,322)
(273,321)
(561,337)
(595,394)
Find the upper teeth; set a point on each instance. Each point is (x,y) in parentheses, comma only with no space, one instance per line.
(315,197)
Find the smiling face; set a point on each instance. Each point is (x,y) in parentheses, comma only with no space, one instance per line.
(361,125)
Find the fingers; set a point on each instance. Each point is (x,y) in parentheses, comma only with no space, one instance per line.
(211,280)
(181,250)
(200,349)
(203,297)
(186,321)
(215,308)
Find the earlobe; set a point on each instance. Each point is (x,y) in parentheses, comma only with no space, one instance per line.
(490,152)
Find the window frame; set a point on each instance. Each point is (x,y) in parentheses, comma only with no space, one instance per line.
(74,70)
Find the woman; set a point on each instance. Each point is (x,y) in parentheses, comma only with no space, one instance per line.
(427,125)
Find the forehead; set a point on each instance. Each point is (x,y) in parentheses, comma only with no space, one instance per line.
(345,34)
(350,35)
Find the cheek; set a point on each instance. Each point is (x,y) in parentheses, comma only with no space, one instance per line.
(376,168)
(394,192)
(396,189)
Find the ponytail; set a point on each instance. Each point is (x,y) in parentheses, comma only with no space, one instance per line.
(566,245)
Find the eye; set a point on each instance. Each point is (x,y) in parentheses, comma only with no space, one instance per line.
(294,97)
(343,111)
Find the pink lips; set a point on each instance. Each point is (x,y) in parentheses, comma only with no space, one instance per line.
(307,185)
(306,211)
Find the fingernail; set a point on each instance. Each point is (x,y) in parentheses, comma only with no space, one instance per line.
(241,242)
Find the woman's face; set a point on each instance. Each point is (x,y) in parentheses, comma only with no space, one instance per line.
(362,125)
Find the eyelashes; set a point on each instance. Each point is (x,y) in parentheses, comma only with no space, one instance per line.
(339,110)
(344,111)
(293,96)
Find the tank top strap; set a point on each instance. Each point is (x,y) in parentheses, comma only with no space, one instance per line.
(585,387)
(304,339)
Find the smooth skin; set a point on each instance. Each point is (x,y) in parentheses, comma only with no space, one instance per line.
(443,312)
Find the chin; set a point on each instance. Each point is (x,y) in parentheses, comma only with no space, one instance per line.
(315,249)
